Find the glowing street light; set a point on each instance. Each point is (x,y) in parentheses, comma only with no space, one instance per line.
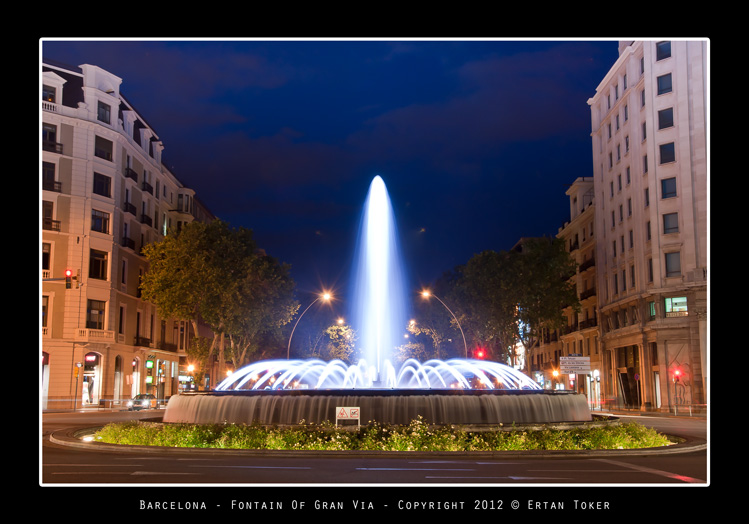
(326,297)
(426,294)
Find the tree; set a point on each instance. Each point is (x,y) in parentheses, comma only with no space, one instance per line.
(211,273)
(505,298)
(545,268)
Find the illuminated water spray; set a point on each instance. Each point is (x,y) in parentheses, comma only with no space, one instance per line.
(379,301)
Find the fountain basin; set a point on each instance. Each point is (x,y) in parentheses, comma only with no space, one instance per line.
(440,407)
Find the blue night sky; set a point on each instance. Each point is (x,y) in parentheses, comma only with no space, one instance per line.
(477,141)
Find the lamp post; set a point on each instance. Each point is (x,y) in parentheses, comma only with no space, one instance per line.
(427,294)
(326,297)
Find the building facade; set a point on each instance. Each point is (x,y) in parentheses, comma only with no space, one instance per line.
(105,193)
(580,335)
(649,139)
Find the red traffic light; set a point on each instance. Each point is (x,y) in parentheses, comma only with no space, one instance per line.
(68,278)
(480,353)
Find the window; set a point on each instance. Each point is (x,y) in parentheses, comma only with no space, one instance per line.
(102,185)
(46,256)
(668,153)
(664,84)
(670,223)
(49,139)
(97,265)
(95,314)
(647,196)
(647,231)
(673,264)
(48,178)
(644,132)
(49,94)
(650,274)
(651,310)
(666,118)
(104,112)
(645,164)
(632,276)
(631,239)
(103,148)
(676,306)
(642,98)
(662,50)
(99,221)
(668,188)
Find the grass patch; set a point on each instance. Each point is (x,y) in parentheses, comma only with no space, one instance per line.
(417,436)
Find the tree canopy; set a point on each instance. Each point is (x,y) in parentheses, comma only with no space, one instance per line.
(217,275)
(505,298)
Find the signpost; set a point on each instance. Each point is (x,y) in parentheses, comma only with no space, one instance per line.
(574,365)
(347,413)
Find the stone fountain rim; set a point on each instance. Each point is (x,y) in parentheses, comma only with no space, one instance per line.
(384,392)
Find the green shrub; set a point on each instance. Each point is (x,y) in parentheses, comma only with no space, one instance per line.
(417,436)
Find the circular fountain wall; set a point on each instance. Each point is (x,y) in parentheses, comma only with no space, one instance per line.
(463,392)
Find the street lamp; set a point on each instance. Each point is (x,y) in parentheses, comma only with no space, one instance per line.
(326,297)
(426,294)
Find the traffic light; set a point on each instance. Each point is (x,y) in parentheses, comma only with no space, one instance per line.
(479,353)
(677,375)
(68,278)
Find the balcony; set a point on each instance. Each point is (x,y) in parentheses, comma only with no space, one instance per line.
(129,208)
(51,225)
(148,188)
(128,242)
(147,220)
(95,335)
(587,264)
(129,173)
(142,342)
(52,185)
(52,147)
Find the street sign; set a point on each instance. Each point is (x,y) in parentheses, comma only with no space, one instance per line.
(347,413)
(574,365)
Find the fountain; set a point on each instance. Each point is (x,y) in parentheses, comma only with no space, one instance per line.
(456,391)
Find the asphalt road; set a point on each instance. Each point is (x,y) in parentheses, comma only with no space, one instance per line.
(340,481)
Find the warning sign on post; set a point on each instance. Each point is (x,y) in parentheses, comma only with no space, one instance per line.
(347,413)
(574,365)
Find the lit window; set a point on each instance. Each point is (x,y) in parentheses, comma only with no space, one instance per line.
(676,306)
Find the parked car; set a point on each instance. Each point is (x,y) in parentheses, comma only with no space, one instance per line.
(142,401)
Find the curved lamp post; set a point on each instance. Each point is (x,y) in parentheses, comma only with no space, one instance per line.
(427,294)
(326,297)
